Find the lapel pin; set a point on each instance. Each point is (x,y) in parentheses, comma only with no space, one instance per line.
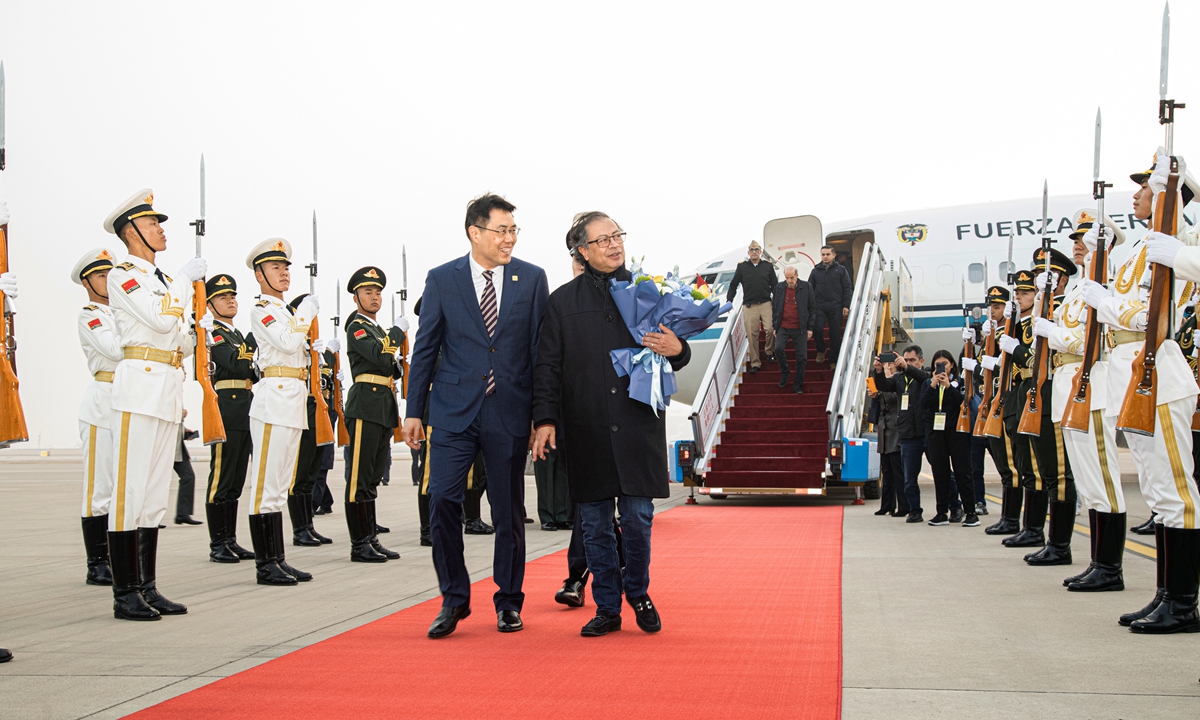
(514,278)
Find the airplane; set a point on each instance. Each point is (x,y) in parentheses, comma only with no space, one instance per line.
(938,247)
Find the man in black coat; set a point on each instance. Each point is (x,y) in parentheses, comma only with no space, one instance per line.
(757,279)
(832,288)
(617,445)
(792,317)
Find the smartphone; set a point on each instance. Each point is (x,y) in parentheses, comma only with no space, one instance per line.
(871,384)
(941,367)
(887,357)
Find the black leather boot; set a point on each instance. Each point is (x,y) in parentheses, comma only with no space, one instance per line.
(1146,528)
(1010,513)
(361,526)
(1032,535)
(300,534)
(1109,550)
(306,501)
(1062,526)
(1177,612)
(1093,538)
(231,520)
(1160,566)
(128,603)
(375,544)
(95,543)
(262,537)
(275,538)
(147,539)
(218,535)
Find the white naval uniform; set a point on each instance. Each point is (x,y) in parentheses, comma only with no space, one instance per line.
(147,395)
(1093,454)
(279,411)
(1165,459)
(102,348)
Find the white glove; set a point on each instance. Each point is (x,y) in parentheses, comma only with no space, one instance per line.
(8,284)
(1094,293)
(968,334)
(402,323)
(969,365)
(1091,238)
(341,376)
(1008,343)
(206,322)
(1042,327)
(1039,281)
(318,347)
(1158,179)
(987,328)
(334,346)
(194,269)
(989,362)
(309,306)
(3,212)
(1162,248)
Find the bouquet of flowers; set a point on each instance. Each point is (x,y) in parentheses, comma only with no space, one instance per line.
(687,308)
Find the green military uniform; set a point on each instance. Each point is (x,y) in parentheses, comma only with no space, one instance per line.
(1036,499)
(1001,448)
(232,357)
(1186,337)
(308,464)
(371,416)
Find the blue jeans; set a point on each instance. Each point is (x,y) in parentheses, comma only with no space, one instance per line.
(911,452)
(600,546)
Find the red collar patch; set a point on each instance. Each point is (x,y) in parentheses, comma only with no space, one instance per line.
(129,286)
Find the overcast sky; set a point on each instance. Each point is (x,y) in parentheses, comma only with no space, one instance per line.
(691,123)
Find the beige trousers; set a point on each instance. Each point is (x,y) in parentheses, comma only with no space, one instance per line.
(753,316)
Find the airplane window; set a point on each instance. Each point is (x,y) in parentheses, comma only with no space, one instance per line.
(945,274)
(1005,269)
(975,273)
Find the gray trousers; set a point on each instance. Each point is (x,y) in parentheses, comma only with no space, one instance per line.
(554,498)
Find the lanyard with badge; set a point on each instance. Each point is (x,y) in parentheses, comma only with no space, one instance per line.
(904,397)
(939,418)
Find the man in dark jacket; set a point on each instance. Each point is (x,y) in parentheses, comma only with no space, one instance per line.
(792,318)
(757,279)
(906,383)
(617,446)
(832,288)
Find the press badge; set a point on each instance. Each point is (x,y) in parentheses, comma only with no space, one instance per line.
(939,421)
(904,402)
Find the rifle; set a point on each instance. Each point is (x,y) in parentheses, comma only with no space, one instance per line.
(12,415)
(964,414)
(1141,397)
(1031,415)
(989,349)
(398,433)
(212,426)
(1078,413)
(343,436)
(324,428)
(995,420)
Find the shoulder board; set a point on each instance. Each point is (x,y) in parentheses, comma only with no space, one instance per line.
(262,303)
(168,277)
(91,308)
(127,266)
(358,320)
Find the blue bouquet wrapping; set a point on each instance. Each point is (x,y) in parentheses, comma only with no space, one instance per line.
(644,304)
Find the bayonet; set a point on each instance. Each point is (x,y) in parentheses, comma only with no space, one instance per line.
(1166,44)
(1096,162)
(312,269)
(403,277)
(1,115)
(199,223)
(1045,208)
(337,319)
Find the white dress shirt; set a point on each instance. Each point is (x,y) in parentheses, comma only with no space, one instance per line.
(478,280)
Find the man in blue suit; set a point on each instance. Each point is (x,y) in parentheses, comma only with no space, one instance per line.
(483,314)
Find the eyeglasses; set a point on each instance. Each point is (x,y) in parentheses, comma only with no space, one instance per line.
(755,250)
(514,230)
(607,241)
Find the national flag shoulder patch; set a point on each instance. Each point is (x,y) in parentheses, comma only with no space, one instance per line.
(218,339)
(94,323)
(360,334)
(129,286)
(268,321)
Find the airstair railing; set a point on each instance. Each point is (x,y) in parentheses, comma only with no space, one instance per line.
(847,397)
(718,385)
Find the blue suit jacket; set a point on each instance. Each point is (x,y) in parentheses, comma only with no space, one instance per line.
(451,324)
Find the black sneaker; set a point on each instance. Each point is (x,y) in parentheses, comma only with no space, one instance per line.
(939,519)
(602,624)
(783,381)
(915,517)
(971,520)
(956,515)
(798,389)
(981,508)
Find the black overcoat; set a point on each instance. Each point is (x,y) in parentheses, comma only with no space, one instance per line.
(614,445)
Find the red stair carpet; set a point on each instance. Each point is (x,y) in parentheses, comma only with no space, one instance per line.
(751,604)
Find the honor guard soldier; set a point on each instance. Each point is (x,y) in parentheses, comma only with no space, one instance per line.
(1018,348)
(278,413)
(371,410)
(1092,454)
(1000,448)
(1186,337)
(233,375)
(1049,454)
(102,348)
(147,402)
(308,463)
(1166,456)
(322,499)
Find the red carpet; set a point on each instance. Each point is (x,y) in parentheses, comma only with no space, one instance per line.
(751,604)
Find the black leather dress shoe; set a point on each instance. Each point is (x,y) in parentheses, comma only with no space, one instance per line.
(571,594)
(186,520)
(549,526)
(783,381)
(478,527)
(528,520)
(426,540)
(381,529)
(566,525)
(447,619)
(647,616)
(602,624)
(754,369)
(509,621)
(5,655)
(389,554)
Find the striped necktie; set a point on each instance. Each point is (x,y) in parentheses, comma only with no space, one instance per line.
(488,306)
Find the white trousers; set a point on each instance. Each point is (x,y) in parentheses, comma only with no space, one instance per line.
(1165,460)
(143,450)
(97,469)
(1093,457)
(276,450)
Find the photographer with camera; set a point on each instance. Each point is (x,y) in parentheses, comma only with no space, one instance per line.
(941,399)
